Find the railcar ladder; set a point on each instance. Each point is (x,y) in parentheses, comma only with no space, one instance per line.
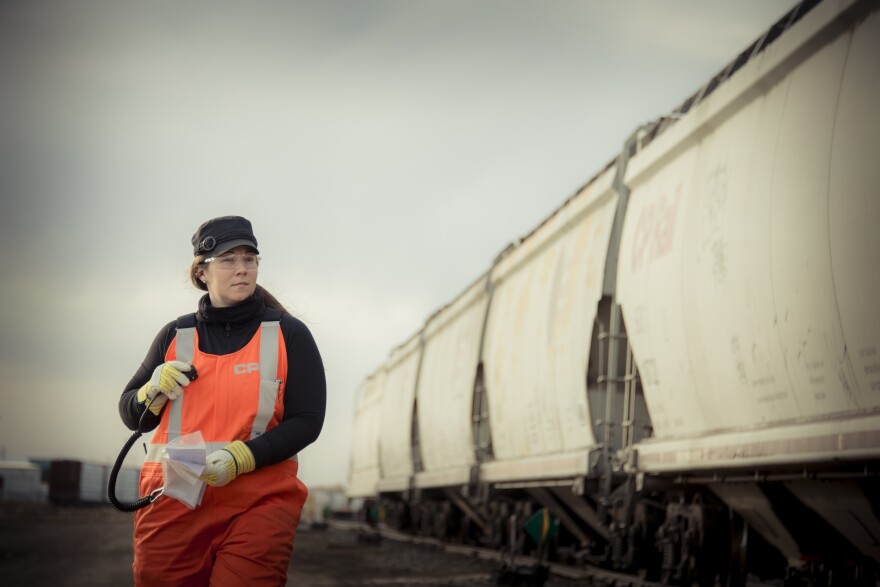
(618,379)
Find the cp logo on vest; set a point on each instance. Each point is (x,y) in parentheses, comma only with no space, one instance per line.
(243,368)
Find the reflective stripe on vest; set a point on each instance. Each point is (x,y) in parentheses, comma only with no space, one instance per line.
(185,349)
(268,368)
(154,451)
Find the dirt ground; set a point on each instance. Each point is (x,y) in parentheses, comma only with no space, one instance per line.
(45,545)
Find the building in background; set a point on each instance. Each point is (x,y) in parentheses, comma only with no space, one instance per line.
(20,481)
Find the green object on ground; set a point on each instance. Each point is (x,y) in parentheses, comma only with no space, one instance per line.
(542,526)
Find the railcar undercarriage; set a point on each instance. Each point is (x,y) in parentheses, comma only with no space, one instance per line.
(804,527)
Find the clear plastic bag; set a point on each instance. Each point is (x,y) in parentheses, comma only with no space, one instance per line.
(183,460)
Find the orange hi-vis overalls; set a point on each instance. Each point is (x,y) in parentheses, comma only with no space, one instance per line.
(241,534)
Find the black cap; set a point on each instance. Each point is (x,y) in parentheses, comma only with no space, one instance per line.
(218,235)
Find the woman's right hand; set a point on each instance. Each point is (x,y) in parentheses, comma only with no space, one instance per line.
(167,382)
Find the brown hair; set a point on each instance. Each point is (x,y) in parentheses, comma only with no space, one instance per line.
(270,300)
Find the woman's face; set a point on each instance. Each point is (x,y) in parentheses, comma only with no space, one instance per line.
(231,281)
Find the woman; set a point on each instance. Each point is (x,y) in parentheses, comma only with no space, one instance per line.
(258,398)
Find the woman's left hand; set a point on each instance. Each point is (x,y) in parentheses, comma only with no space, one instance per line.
(224,465)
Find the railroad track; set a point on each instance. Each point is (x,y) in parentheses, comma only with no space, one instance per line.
(586,575)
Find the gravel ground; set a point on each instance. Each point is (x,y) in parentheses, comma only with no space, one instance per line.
(349,558)
(44,545)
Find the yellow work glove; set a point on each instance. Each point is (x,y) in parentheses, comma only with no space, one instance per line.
(167,382)
(224,465)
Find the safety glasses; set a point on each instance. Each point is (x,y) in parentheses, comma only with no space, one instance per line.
(230,262)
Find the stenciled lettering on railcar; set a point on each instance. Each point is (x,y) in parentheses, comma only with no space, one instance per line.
(655,231)
(868,352)
(713,205)
(872,369)
(736,352)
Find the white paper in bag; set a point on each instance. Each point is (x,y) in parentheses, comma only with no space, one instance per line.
(183,460)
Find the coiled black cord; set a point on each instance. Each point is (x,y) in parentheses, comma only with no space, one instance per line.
(114,472)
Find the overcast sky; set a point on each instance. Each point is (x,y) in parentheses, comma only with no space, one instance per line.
(385,152)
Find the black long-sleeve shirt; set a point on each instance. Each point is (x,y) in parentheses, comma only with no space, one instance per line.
(226,330)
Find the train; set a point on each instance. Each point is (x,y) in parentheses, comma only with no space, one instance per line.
(681,363)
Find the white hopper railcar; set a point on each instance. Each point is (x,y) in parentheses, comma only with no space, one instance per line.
(682,363)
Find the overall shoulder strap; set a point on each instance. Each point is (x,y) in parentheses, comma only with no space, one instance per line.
(186,338)
(269,385)
(184,351)
(186,321)
(272,315)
